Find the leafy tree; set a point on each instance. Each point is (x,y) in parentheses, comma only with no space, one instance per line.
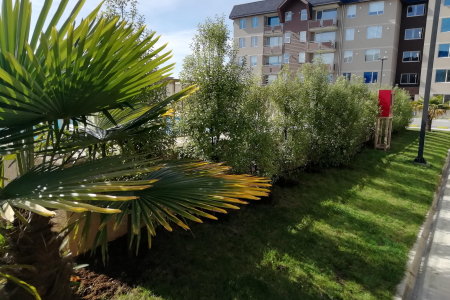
(210,117)
(436,108)
(403,110)
(50,92)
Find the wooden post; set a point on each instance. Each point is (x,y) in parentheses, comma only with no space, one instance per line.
(383,131)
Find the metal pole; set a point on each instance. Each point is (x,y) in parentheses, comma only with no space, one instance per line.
(426,97)
(381,77)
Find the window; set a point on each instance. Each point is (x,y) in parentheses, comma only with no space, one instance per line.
(415,10)
(446,2)
(445,27)
(302,36)
(255,22)
(254,41)
(241,60)
(287,38)
(376,8)
(253,61)
(442,75)
(374,32)
(444,50)
(325,36)
(301,57)
(347,76)
(274,60)
(327,14)
(241,42)
(286,58)
(351,11)
(304,14)
(271,78)
(372,54)
(330,78)
(348,56)
(288,16)
(411,56)
(274,41)
(413,34)
(273,21)
(242,23)
(327,58)
(408,78)
(370,77)
(349,34)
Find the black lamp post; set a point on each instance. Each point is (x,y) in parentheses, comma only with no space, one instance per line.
(426,97)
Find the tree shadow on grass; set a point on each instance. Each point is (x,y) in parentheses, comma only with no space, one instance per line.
(341,233)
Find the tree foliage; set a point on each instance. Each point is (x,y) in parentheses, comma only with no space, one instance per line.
(436,108)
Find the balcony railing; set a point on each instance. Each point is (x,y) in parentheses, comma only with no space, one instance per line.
(272,49)
(272,69)
(329,46)
(270,29)
(322,25)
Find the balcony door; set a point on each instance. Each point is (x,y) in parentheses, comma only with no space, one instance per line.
(325,37)
(273,60)
(328,58)
(327,14)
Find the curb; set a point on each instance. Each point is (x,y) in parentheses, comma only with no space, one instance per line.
(416,254)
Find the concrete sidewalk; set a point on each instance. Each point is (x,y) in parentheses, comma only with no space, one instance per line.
(433,278)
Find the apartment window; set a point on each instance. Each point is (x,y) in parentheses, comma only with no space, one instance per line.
(242,23)
(413,34)
(444,50)
(446,2)
(370,77)
(255,22)
(347,76)
(327,14)
(411,56)
(273,21)
(254,41)
(327,58)
(372,54)
(288,16)
(445,27)
(415,10)
(442,75)
(301,57)
(351,11)
(274,60)
(348,56)
(287,38)
(241,42)
(374,32)
(271,78)
(349,34)
(253,61)
(330,78)
(325,36)
(376,8)
(274,41)
(302,36)
(304,14)
(241,60)
(286,58)
(408,78)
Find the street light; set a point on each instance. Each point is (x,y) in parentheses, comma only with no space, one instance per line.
(382,61)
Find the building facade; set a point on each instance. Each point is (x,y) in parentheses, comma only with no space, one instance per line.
(384,41)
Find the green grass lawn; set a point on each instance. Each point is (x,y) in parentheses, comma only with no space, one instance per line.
(340,233)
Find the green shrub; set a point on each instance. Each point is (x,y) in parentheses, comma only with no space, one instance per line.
(403,110)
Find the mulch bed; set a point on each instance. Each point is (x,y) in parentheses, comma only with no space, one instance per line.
(94,286)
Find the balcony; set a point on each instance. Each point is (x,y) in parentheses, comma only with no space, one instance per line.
(322,25)
(272,69)
(270,29)
(269,50)
(324,47)
(332,68)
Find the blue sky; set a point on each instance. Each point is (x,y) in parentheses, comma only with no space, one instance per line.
(175,20)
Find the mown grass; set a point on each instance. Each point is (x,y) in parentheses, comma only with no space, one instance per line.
(340,233)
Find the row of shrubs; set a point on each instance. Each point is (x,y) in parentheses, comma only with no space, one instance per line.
(299,119)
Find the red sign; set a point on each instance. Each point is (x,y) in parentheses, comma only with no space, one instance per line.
(386,102)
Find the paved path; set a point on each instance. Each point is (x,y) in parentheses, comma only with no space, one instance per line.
(433,280)
(438,124)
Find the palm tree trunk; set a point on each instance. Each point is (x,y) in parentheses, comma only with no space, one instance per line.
(428,126)
(37,245)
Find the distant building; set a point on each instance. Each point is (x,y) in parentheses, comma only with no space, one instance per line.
(351,36)
(174,86)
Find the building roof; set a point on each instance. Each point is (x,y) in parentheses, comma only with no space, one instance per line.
(255,8)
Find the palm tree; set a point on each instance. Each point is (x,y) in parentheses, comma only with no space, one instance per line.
(436,108)
(71,75)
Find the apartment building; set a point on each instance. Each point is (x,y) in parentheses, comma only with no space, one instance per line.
(352,37)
